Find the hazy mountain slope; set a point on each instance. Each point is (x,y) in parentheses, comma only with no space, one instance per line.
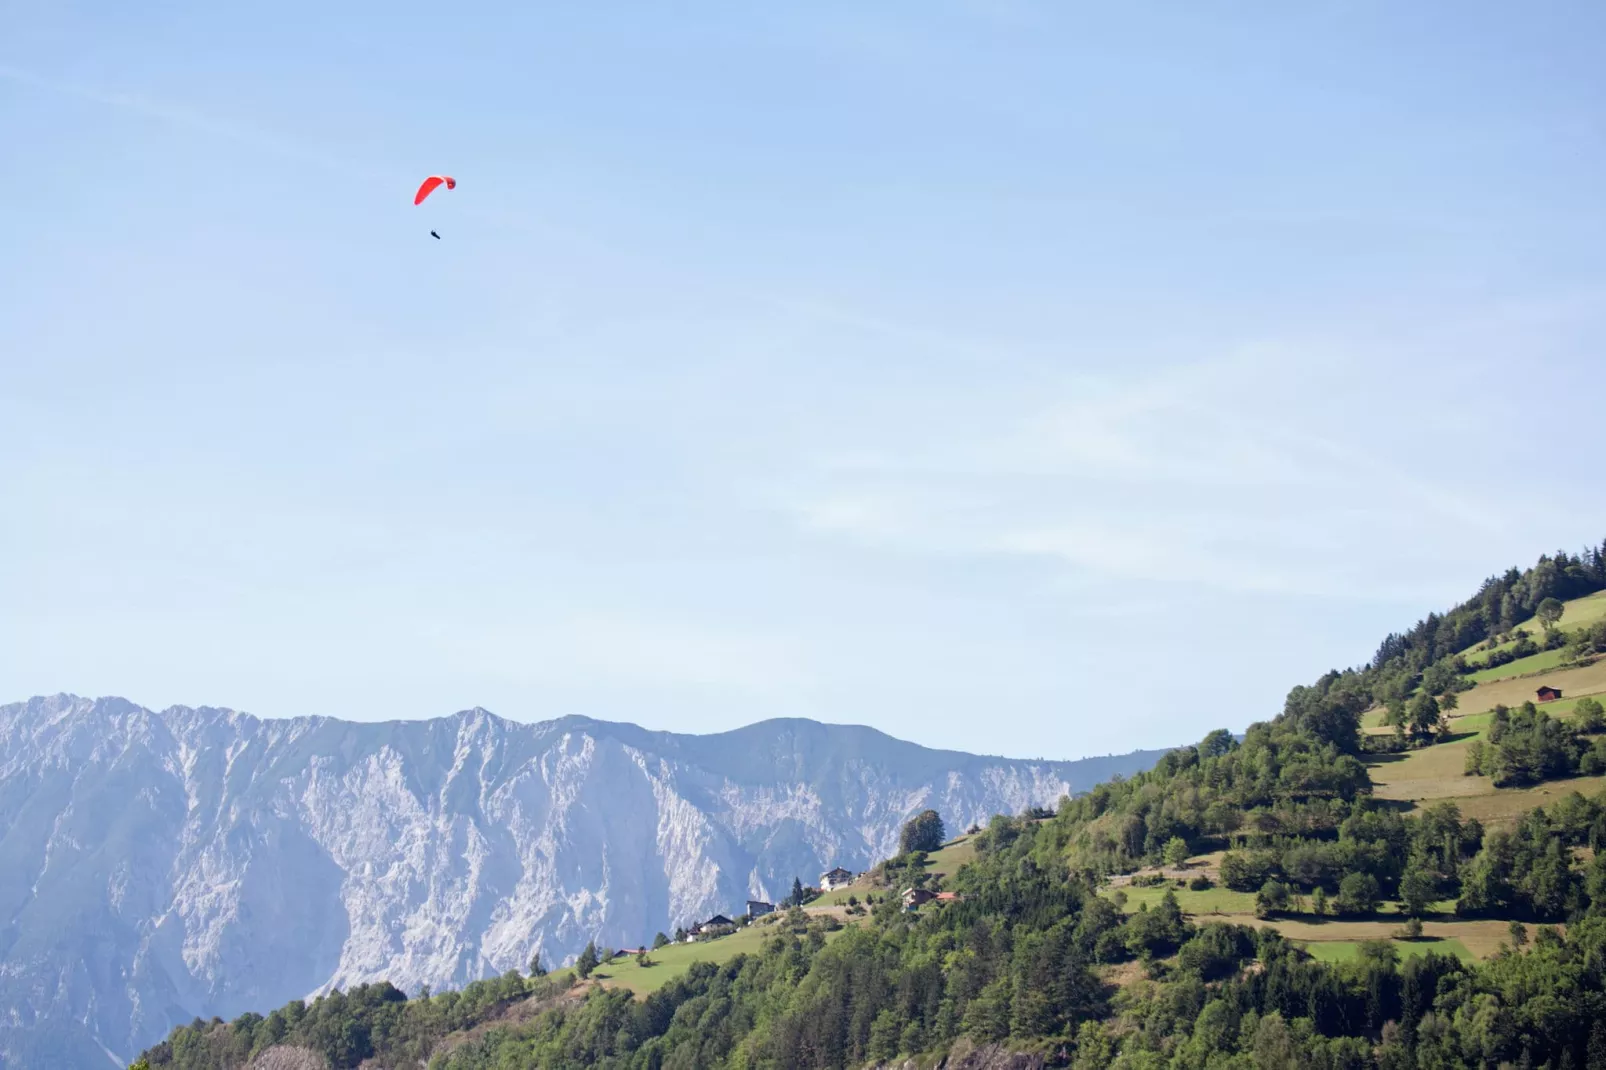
(159,866)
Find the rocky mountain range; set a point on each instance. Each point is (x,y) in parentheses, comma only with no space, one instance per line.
(159,866)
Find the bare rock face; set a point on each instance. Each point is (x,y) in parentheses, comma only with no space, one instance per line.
(156,867)
(281,1057)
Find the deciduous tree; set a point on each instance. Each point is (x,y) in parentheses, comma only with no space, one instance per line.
(923,832)
(1358,894)
(1549,612)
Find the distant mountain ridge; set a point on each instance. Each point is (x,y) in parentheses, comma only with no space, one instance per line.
(157,866)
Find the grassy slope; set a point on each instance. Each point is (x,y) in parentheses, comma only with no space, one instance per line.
(1217,900)
(1575,614)
(1516,682)
(1542,662)
(1582,611)
(1574,683)
(1434,774)
(672,961)
(951,856)
(1331,938)
(1345,950)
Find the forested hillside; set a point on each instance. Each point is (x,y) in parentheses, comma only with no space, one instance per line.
(1396,871)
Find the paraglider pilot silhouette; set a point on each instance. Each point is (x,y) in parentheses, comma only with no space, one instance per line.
(430,185)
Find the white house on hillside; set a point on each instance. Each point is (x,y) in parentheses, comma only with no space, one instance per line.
(836,878)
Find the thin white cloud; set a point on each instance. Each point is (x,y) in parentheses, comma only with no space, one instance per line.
(186,118)
(1132,553)
(1265,471)
(860,516)
(631,650)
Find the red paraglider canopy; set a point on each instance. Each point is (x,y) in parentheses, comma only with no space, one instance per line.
(431,184)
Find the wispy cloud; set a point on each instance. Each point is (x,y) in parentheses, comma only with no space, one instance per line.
(186,118)
(629,650)
(1265,471)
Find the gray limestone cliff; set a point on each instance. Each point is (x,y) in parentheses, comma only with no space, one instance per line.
(159,866)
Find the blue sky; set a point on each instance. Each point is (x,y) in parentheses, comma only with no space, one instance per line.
(1037,379)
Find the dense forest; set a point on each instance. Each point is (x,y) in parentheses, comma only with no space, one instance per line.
(1036,953)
